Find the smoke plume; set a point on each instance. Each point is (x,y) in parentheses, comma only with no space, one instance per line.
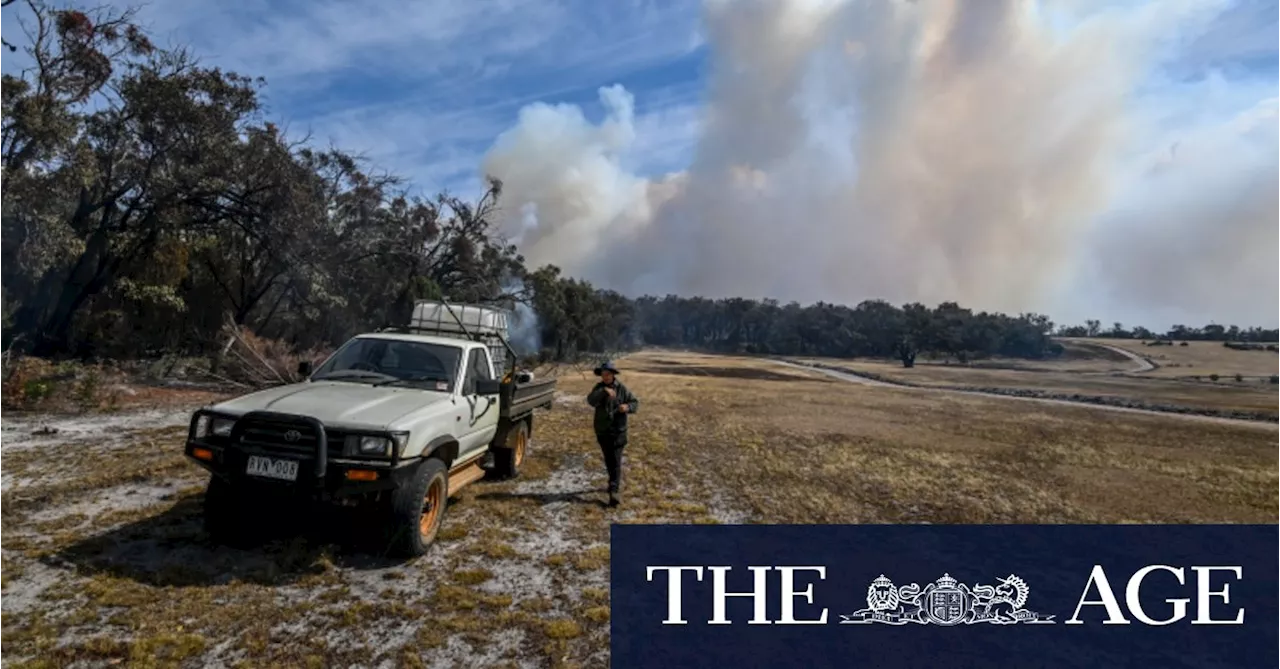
(526,337)
(914,150)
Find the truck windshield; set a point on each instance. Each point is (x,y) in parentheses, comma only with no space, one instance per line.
(374,360)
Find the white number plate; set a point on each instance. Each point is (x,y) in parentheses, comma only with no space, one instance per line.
(285,470)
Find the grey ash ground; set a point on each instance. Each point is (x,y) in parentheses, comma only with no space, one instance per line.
(104,560)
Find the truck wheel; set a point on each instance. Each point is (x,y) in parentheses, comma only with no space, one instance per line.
(508,459)
(418,509)
(225,518)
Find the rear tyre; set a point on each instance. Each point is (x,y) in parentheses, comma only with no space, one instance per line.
(226,519)
(508,459)
(417,509)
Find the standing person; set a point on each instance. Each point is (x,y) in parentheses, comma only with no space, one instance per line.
(613,403)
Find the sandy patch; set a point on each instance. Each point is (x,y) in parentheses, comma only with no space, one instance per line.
(22,431)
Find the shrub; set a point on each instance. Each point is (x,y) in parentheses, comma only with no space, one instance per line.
(1275,379)
(86,390)
(36,390)
(1213,377)
(1183,344)
(26,383)
(1239,378)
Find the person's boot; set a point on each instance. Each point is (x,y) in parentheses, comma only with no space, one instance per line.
(614,498)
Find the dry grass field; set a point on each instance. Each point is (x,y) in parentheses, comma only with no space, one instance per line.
(810,449)
(1139,389)
(104,562)
(1079,355)
(1200,358)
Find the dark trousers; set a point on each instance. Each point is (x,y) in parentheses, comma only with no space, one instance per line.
(611,446)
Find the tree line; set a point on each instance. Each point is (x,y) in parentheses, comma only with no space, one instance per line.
(1210,332)
(574,317)
(149,203)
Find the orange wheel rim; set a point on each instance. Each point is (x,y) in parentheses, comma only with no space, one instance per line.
(521,445)
(432,506)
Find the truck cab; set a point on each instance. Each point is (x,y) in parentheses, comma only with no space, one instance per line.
(396,420)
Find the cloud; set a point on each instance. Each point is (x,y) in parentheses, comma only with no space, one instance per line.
(451,48)
(294,40)
(422,88)
(929,150)
(1243,35)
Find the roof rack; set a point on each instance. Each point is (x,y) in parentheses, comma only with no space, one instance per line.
(487,328)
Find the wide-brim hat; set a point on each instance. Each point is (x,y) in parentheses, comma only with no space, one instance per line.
(606,366)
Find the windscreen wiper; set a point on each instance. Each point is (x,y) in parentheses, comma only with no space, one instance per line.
(348,374)
(414,379)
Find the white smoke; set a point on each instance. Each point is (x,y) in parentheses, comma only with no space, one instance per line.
(526,336)
(908,150)
(564,174)
(523,330)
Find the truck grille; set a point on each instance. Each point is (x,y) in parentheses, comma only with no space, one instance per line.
(288,438)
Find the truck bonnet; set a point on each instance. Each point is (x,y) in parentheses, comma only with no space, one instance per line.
(338,402)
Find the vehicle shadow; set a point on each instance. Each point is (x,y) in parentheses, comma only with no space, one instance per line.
(171,549)
(544,498)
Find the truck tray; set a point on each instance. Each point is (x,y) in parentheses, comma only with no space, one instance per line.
(516,400)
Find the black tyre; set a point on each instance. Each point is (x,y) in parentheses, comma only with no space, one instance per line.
(508,459)
(226,517)
(417,509)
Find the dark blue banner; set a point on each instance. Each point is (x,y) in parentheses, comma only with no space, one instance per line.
(945,596)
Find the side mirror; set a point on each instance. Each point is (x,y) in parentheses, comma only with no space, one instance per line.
(488,386)
(304,368)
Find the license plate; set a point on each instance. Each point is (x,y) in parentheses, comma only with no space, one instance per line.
(284,470)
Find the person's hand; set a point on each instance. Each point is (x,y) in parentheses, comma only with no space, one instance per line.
(623,408)
(611,392)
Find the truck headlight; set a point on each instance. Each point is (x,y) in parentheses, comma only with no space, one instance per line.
(374,446)
(221,427)
(215,426)
(383,446)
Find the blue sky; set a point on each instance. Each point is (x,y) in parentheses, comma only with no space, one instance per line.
(423,88)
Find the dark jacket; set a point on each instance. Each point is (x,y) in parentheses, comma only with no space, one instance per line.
(608,420)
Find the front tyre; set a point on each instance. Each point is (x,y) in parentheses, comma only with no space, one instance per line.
(417,509)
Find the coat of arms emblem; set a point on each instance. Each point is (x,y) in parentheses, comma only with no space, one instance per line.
(947,602)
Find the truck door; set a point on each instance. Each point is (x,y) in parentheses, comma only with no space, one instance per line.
(480,413)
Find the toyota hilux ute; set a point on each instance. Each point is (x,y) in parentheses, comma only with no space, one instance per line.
(396,421)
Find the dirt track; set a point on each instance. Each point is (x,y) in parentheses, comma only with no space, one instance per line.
(857,378)
(1143,364)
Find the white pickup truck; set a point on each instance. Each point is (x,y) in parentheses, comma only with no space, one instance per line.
(397,421)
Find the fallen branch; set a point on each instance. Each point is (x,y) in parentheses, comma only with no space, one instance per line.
(235,332)
(226,380)
(8,352)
